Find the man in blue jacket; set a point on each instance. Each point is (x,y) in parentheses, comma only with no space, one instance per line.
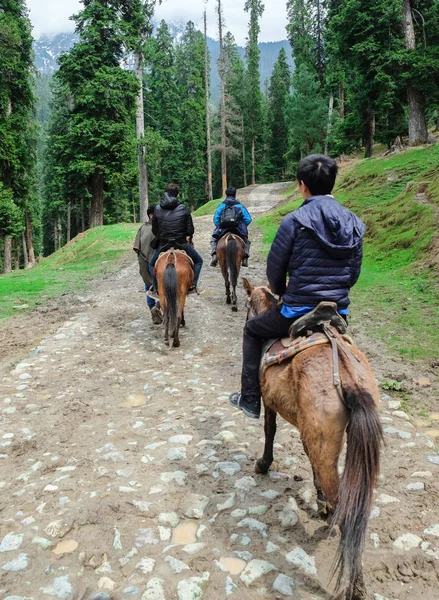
(319,246)
(238,224)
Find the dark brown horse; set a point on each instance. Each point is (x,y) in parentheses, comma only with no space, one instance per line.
(174,275)
(230,252)
(302,391)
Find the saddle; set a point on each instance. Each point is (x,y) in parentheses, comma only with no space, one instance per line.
(176,247)
(321,326)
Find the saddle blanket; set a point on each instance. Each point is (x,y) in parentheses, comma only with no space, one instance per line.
(278,351)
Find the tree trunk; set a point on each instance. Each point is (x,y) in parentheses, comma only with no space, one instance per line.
(25,254)
(82,216)
(437,121)
(222,73)
(244,158)
(342,101)
(329,126)
(369,134)
(58,231)
(7,267)
(208,134)
(15,254)
(141,149)
(69,221)
(29,240)
(418,131)
(253,162)
(97,201)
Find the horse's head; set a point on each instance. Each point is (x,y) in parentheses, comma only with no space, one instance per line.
(259,298)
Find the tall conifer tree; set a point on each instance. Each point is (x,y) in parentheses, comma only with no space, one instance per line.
(253,80)
(279,90)
(104,96)
(17,137)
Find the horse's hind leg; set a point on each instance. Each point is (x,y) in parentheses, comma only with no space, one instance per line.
(323,450)
(234,300)
(176,343)
(264,463)
(183,321)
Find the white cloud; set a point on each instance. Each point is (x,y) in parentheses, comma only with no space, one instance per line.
(52,16)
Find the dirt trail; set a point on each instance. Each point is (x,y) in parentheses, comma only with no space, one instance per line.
(124,472)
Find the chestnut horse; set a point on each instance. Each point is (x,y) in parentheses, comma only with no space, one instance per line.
(174,275)
(302,391)
(230,252)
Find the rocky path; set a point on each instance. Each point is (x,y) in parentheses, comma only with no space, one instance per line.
(124,472)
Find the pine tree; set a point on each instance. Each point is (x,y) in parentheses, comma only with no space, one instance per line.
(163,110)
(101,121)
(364,41)
(190,80)
(306,114)
(306,32)
(17,130)
(256,9)
(279,90)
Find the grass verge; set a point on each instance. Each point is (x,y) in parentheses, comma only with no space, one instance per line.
(207,209)
(397,294)
(92,253)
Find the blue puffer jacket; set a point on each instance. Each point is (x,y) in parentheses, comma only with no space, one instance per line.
(320,247)
(242,225)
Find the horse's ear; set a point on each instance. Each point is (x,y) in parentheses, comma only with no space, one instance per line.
(249,287)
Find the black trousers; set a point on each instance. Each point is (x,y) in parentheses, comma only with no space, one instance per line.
(269,325)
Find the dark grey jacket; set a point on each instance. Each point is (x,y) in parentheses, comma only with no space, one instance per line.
(172,221)
(320,247)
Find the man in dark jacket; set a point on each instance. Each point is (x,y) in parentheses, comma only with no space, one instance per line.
(319,246)
(172,224)
(142,247)
(240,227)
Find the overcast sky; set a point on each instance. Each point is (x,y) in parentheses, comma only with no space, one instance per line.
(52,16)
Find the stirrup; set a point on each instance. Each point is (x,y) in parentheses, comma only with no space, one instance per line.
(325,312)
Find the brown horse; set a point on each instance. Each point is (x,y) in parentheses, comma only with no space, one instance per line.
(302,391)
(174,275)
(230,252)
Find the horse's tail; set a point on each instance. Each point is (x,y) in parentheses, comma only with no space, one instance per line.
(170,281)
(364,439)
(232,258)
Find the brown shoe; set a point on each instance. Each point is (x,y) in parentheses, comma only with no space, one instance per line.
(156,315)
(214,261)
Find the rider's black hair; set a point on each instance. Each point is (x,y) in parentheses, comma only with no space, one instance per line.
(231,191)
(150,211)
(172,189)
(318,172)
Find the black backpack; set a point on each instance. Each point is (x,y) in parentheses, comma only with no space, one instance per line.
(230,217)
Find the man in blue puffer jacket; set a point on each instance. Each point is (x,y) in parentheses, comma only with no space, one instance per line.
(319,246)
(240,228)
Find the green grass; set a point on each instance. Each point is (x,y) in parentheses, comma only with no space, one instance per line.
(397,296)
(88,255)
(208,209)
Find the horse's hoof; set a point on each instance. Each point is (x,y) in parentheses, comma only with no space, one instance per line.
(261,467)
(176,344)
(228,301)
(234,309)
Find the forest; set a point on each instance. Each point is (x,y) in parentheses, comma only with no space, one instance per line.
(131,108)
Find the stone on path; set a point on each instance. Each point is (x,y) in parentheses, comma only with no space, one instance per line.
(254,525)
(256,569)
(60,588)
(407,542)
(193,588)
(154,590)
(385,499)
(433,530)
(11,542)
(284,585)
(302,561)
(17,564)
(433,459)
(176,565)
